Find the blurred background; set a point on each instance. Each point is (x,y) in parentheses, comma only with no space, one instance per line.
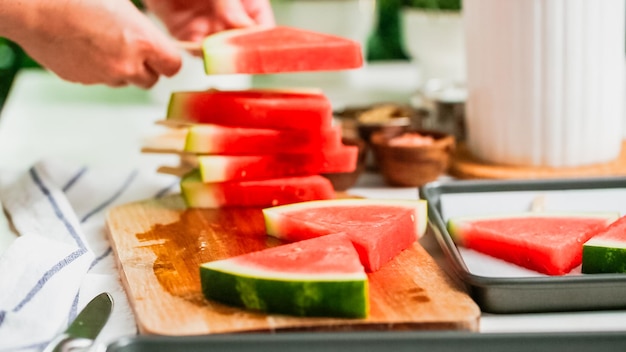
(384,39)
(383,43)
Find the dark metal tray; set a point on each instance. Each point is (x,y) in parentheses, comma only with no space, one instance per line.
(519,293)
(379,341)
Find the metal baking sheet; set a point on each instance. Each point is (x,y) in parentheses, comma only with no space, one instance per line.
(500,287)
(379,341)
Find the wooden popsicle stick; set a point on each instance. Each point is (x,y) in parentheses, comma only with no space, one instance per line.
(538,203)
(179,171)
(194,48)
(171,141)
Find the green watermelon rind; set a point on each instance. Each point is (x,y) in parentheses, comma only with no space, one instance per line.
(198,139)
(213,168)
(272,214)
(196,193)
(173,107)
(604,256)
(455,225)
(339,295)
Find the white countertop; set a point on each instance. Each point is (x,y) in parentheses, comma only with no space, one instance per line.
(47,118)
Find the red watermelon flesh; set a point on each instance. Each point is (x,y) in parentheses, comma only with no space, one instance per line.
(321,257)
(254,108)
(258,193)
(216,139)
(378,229)
(218,168)
(261,50)
(547,243)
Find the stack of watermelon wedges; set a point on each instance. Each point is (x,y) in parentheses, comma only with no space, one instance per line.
(260,147)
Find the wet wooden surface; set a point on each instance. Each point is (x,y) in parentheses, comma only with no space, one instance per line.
(159,246)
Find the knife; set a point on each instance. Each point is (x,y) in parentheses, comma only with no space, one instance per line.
(87,325)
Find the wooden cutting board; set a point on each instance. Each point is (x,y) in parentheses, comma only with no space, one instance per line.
(159,246)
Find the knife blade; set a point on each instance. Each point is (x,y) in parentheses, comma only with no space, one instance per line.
(86,327)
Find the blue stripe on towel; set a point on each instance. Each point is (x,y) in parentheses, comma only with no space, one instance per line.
(106,253)
(161,193)
(65,261)
(57,211)
(73,310)
(116,195)
(36,346)
(47,276)
(74,178)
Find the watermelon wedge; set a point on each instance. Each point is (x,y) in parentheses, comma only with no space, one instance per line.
(259,50)
(220,168)
(379,229)
(216,139)
(319,277)
(253,108)
(606,252)
(550,243)
(260,193)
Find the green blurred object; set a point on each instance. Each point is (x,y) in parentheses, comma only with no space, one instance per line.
(446,5)
(11,59)
(386,41)
(139,4)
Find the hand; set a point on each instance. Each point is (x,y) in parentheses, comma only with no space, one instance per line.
(192,20)
(92,41)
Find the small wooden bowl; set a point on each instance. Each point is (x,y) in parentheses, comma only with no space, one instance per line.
(343,180)
(390,127)
(412,165)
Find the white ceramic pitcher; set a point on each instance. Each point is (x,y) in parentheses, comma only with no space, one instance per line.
(545,80)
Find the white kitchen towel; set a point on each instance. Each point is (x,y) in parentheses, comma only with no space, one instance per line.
(62,257)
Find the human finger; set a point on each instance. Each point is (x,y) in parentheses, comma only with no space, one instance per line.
(144,78)
(116,83)
(164,57)
(233,14)
(260,11)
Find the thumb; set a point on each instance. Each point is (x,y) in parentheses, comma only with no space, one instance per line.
(233,13)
